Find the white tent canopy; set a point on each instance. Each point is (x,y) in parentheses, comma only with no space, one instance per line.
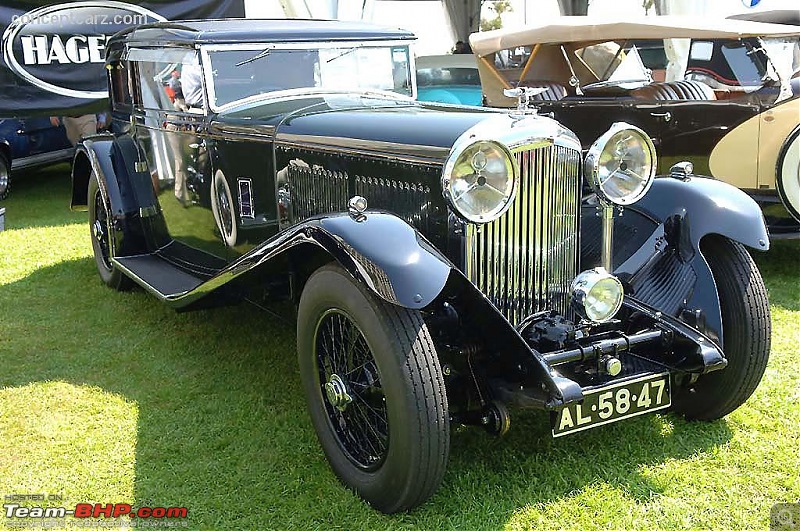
(595,29)
(464,17)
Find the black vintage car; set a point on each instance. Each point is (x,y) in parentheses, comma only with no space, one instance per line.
(728,101)
(447,262)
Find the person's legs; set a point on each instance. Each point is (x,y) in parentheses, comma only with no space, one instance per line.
(80,126)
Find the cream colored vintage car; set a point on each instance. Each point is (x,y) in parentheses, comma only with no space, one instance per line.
(729,102)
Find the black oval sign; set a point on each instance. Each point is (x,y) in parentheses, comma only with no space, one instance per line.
(46,45)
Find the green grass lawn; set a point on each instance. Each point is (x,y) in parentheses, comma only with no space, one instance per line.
(111,397)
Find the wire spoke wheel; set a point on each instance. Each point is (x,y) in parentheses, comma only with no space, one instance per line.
(746,341)
(100,231)
(374,389)
(103,246)
(350,383)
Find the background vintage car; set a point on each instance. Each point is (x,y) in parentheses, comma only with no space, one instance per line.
(735,117)
(451,78)
(446,261)
(27,143)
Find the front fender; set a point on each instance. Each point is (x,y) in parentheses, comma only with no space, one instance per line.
(668,270)
(391,258)
(696,206)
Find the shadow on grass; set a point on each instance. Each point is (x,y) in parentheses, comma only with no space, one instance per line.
(222,426)
(40,197)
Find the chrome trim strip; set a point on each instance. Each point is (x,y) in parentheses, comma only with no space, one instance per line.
(42,158)
(392,150)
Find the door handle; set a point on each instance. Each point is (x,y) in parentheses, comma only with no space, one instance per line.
(667,116)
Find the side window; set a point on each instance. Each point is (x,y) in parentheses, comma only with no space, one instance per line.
(119,81)
(168,80)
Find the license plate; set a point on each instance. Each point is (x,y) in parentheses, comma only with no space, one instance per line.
(614,402)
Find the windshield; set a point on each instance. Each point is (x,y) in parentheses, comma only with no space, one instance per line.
(727,63)
(612,62)
(238,72)
(447,76)
(748,71)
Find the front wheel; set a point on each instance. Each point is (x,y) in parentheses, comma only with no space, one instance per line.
(746,334)
(374,390)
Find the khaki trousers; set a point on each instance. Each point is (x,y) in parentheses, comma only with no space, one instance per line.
(80,126)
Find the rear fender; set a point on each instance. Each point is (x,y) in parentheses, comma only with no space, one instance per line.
(124,180)
(112,161)
(92,155)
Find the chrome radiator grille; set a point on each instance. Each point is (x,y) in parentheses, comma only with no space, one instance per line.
(525,261)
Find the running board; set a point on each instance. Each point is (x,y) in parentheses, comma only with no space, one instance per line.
(157,275)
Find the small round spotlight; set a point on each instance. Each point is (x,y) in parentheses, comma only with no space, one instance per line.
(597,295)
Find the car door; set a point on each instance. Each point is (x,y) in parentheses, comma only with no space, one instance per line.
(171,133)
(681,130)
(689,130)
(32,130)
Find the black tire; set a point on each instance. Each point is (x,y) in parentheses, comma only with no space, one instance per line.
(746,330)
(101,234)
(390,442)
(5,176)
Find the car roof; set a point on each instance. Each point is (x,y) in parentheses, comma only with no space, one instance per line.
(234,31)
(590,29)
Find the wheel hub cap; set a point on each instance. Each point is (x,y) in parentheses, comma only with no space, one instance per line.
(338,395)
(97,228)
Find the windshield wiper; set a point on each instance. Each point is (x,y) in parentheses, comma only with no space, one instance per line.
(346,52)
(260,55)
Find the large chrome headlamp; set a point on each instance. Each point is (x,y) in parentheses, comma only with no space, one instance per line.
(621,164)
(480,180)
(597,295)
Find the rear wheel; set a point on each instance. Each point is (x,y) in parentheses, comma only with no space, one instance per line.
(746,334)
(5,177)
(374,389)
(223,210)
(101,232)
(788,177)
